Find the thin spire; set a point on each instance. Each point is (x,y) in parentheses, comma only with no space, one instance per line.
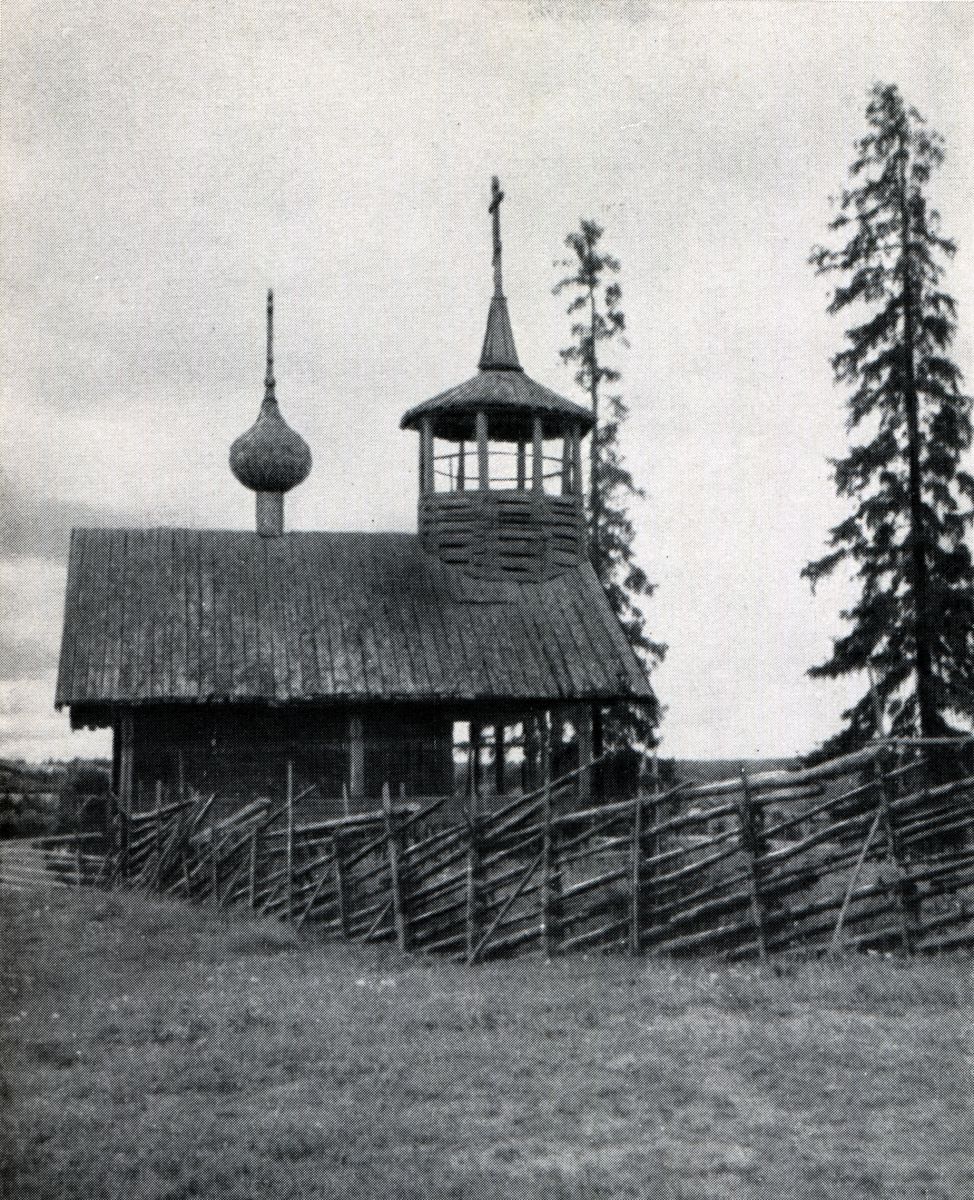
(499,353)
(269,376)
(495,209)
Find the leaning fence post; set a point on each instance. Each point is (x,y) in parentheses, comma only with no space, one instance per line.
(341,884)
(885,814)
(473,863)
(289,842)
(547,864)
(78,863)
(635,899)
(639,883)
(750,844)
(851,884)
(184,835)
(125,781)
(158,824)
(252,868)
(393,851)
(214,866)
(894,854)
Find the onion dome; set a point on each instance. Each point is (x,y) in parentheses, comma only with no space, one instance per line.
(270,456)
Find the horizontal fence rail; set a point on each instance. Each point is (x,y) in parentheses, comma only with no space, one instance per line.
(870,851)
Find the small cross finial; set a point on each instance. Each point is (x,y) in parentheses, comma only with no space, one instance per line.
(269,376)
(496,196)
(498,353)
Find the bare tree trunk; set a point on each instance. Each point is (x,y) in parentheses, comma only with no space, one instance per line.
(595,499)
(926,700)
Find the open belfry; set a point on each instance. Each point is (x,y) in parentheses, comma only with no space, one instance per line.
(242,662)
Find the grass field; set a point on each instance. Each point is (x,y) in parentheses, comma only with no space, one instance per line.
(157,1051)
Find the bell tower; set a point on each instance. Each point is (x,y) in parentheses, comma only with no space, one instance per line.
(501,491)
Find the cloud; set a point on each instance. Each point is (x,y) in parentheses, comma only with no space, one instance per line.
(167,162)
(31,729)
(33,525)
(25,658)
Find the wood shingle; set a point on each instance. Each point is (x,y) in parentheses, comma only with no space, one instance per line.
(196,615)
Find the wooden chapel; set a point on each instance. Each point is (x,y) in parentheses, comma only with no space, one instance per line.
(228,661)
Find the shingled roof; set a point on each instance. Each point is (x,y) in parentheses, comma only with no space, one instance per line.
(160,615)
(497,392)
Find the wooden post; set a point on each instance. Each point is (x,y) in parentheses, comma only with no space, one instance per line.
(483,459)
(289,842)
(78,861)
(476,732)
(894,855)
(522,465)
(214,869)
(445,772)
(555,739)
(423,426)
(185,857)
(582,720)
(461,466)
(547,857)
(530,752)
(252,871)
(393,850)
(576,461)
(473,860)
(181,797)
(126,773)
(649,818)
(751,845)
(499,761)
(426,463)
(636,897)
(341,885)
(537,457)
(885,816)
(851,884)
(115,778)
(566,466)
(158,827)
(356,758)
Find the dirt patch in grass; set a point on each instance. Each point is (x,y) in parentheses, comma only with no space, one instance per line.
(155,1050)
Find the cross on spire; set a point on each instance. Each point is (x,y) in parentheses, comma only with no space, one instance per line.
(495,210)
(269,376)
(498,353)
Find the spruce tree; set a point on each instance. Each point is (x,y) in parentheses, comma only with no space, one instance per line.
(598,319)
(906,539)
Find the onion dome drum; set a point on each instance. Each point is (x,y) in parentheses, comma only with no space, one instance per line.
(270,458)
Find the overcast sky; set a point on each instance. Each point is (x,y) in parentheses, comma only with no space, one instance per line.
(166,162)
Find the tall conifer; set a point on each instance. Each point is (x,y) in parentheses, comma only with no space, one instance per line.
(598,319)
(906,540)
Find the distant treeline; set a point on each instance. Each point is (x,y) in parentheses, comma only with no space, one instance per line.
(53,797)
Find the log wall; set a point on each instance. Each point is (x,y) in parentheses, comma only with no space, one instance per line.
(241,753)
(496,535)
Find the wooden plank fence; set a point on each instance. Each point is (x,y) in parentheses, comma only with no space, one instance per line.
(862,852)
